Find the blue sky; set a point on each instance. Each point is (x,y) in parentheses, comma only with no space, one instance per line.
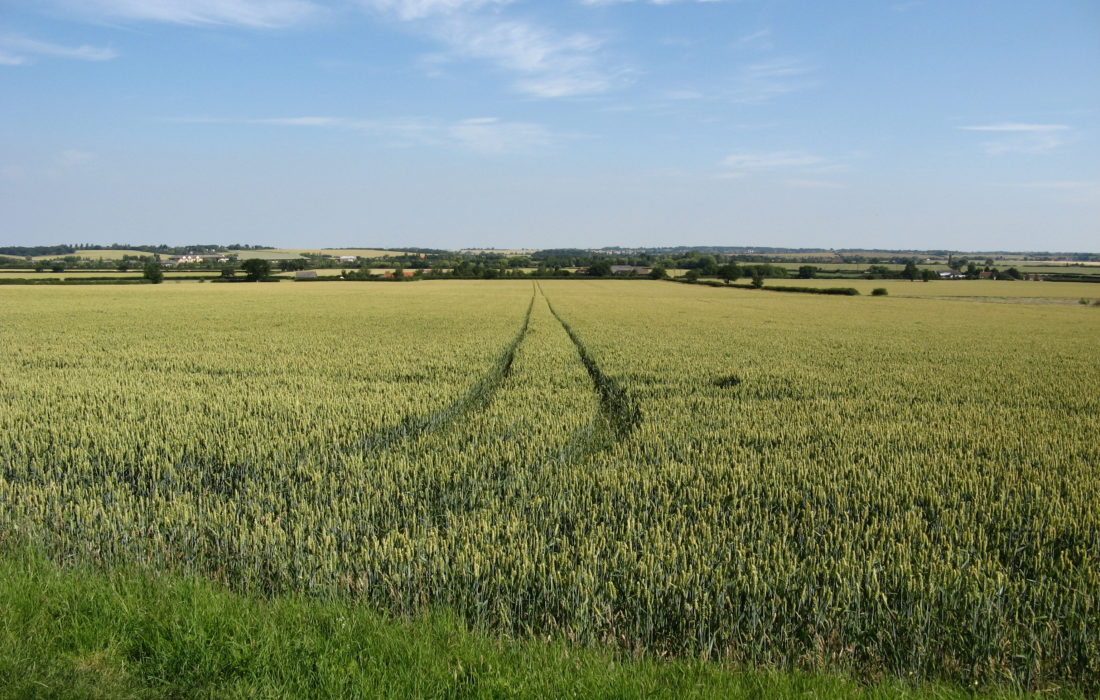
(529,123)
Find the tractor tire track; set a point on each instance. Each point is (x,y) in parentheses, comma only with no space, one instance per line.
(618,413)
(476,397)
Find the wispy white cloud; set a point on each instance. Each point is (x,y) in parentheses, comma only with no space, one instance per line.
(1016,127)
(73,158)
(260,14)
(777,68)
(546,63)
(1061,185)
(683,95)
(484,135)
(814,184)
(18,50)
(795,168)
(1021,138)
(650,2)
(765,80)
(550,65)
(419,9)
(1070,191)
(767,161)
(12,173)
(492,136)
(10,59)
(761,40)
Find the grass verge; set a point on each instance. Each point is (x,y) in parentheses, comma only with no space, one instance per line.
(81,633)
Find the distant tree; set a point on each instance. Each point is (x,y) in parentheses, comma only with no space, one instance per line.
(293,264)
(757,279)
(807,272)
(657,273)
(928,275)
(228,271)
(910,272)
(123,265)
(729,272)
(692,275)
(153,273)
(1014,273)
(40,267)
(256,269)
(707,265)
(600,268)
(57,266)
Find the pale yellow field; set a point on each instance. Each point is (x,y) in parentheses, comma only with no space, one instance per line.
(76,274)
(500,251)
(96,254)
(334,272)
(956,288)
(361,252)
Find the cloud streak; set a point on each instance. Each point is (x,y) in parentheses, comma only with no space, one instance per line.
(796,168)
(648,2)
(1013,127)
(765,80)
(1070,191)
(482,135)
(769,161)
(810,184)
(1023,138)
(18,50)
(419,9)
(258,14)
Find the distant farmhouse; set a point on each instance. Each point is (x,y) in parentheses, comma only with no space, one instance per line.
(629,270)
(195,258)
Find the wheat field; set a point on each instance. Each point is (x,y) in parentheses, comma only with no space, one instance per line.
(884,485)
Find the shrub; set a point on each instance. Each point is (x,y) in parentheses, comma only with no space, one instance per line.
(879,292)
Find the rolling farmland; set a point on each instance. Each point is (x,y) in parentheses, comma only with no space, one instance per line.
(887,486)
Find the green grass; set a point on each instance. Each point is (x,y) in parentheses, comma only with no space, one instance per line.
(80,633)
